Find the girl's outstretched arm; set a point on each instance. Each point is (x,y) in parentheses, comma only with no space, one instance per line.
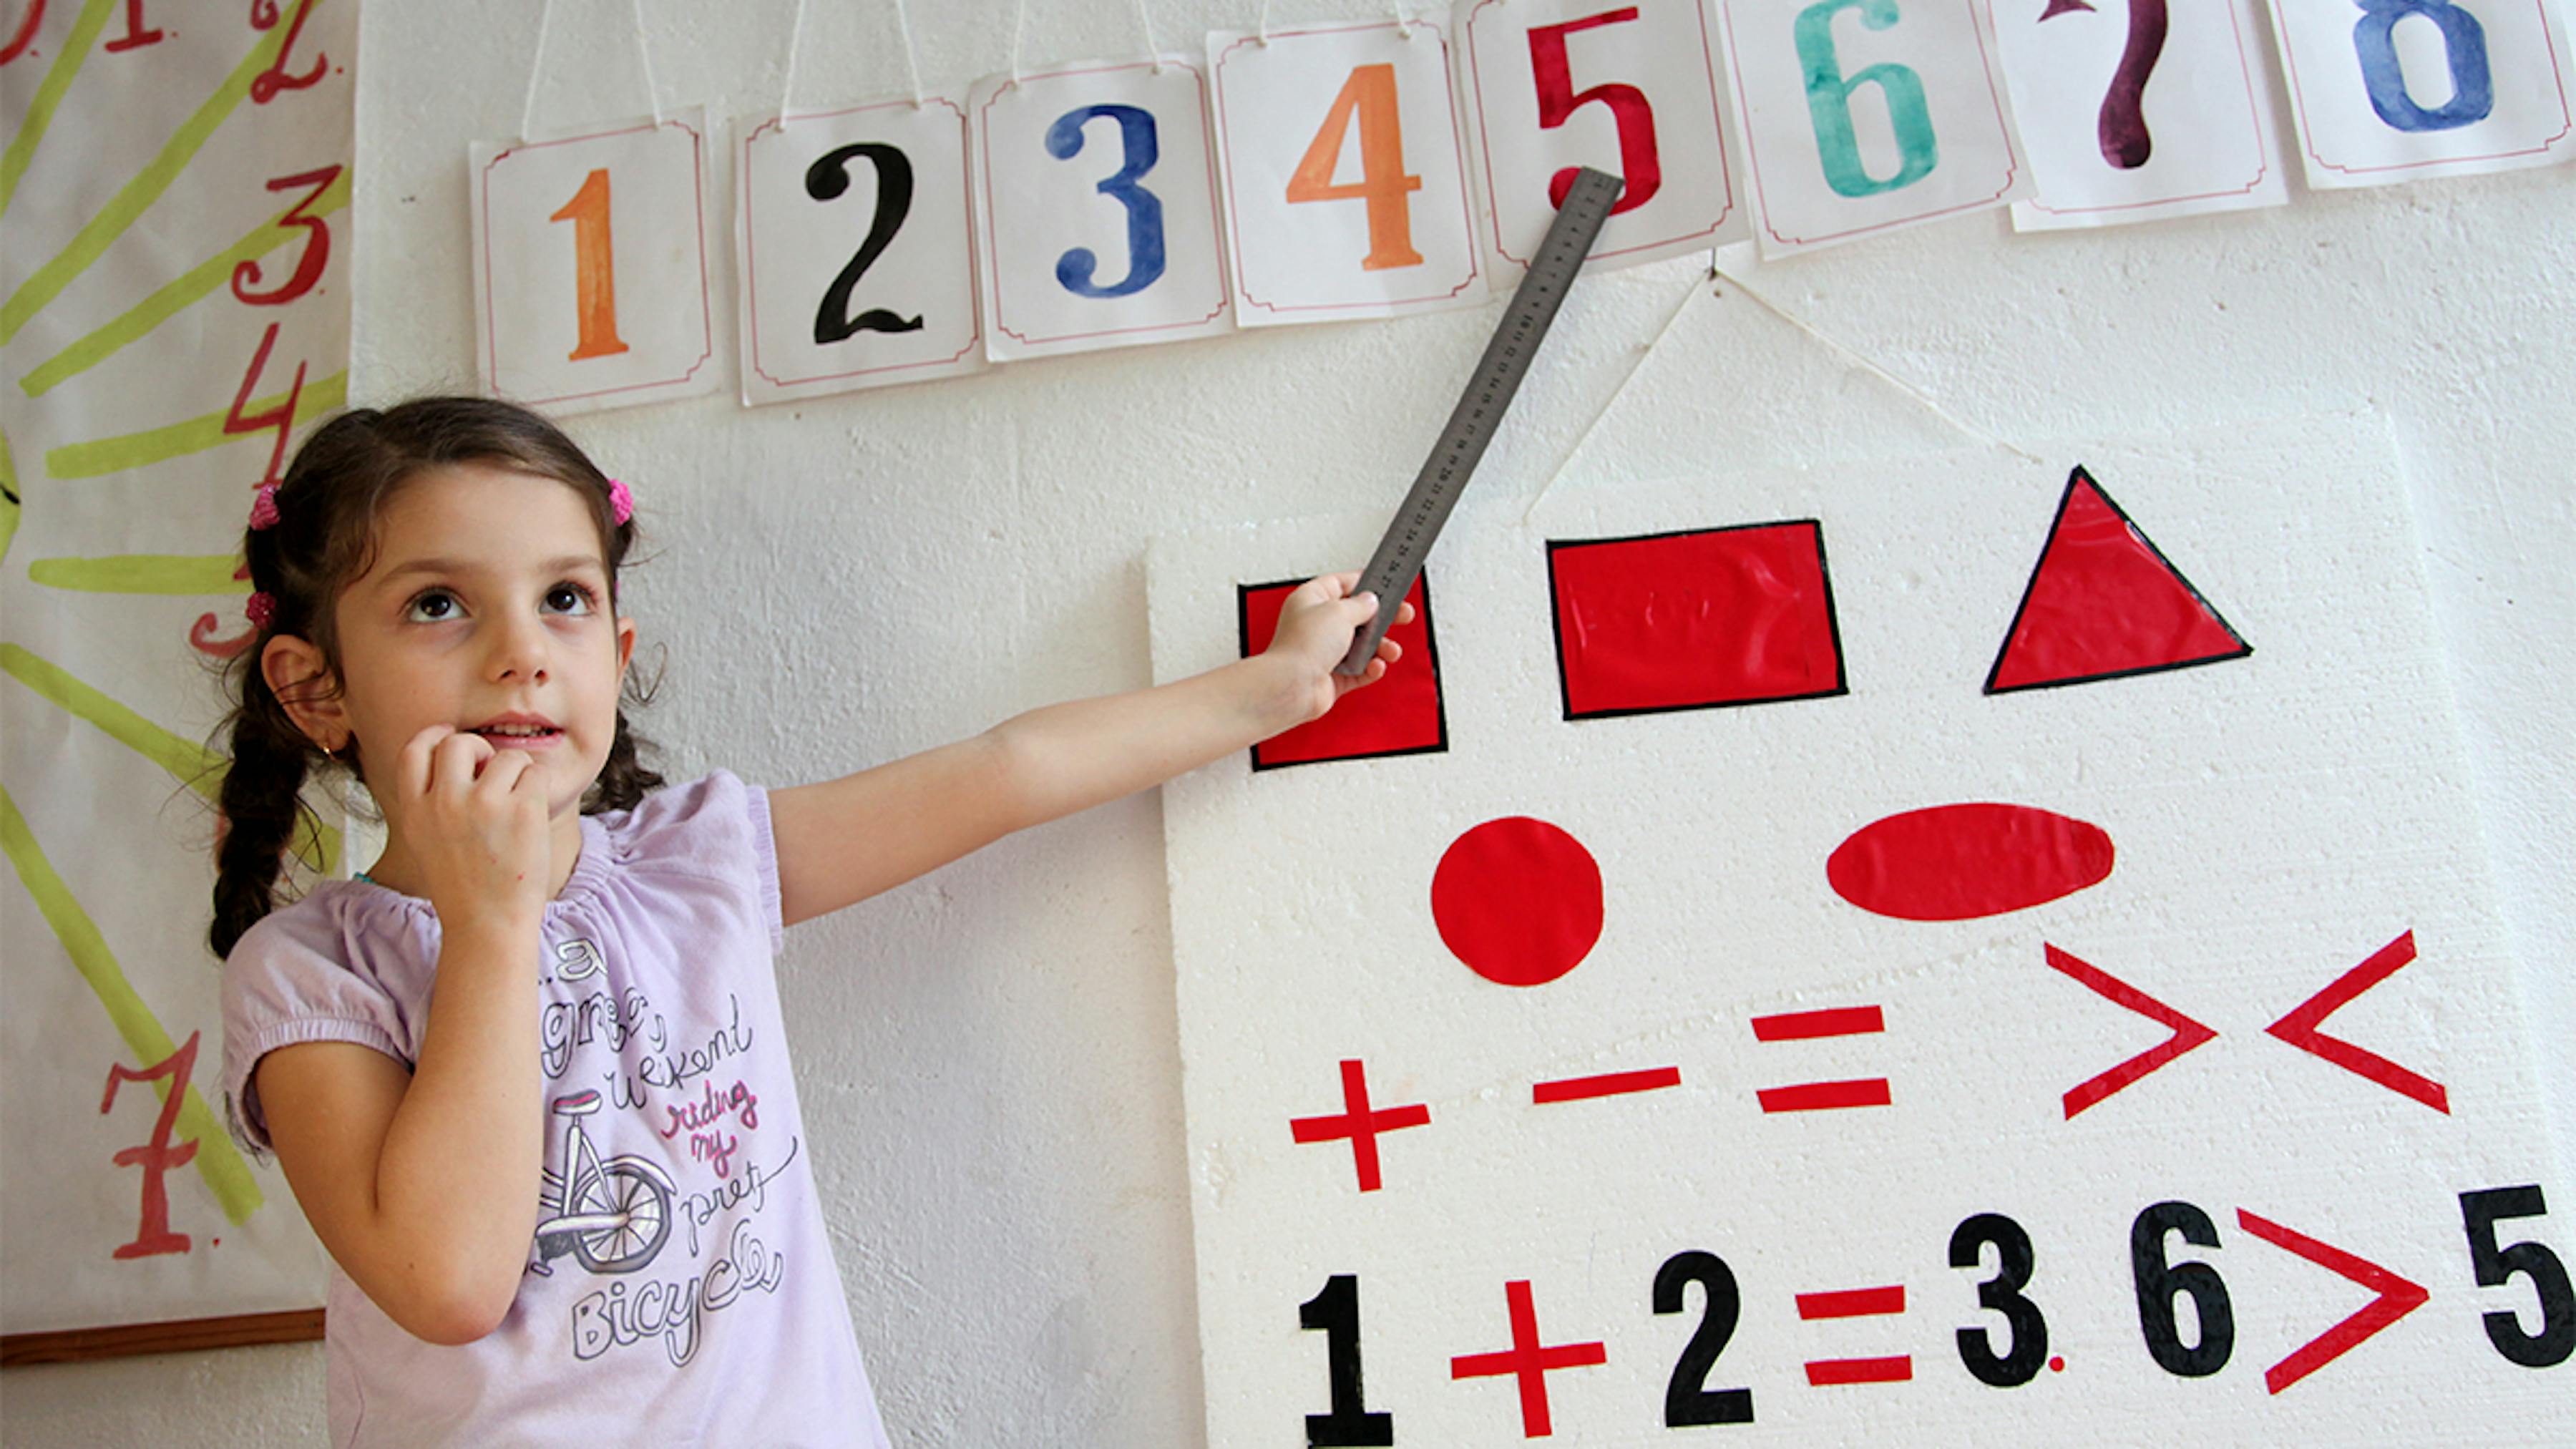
(844,840)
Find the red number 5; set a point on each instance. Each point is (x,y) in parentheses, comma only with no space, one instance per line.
(1639,164)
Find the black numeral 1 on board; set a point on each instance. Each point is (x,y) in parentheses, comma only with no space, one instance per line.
(1687,1399)
(1336,1311)
(2557,1336)
(2002,1293)
(2160,1283)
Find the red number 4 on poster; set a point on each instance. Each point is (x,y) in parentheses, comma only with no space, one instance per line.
(590,266)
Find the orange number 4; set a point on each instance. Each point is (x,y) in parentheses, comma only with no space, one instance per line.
(595,268)
(1382,184)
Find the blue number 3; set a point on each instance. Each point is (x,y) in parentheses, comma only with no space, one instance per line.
(1076,268)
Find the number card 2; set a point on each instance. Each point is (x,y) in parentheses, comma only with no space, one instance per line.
(1345,186)
(591,287)
(1631,89)
(2140,109)
(1862,116)
(858,254)
(2390,90)
(1095,189)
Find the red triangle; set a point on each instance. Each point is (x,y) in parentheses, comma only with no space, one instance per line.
(2104,603)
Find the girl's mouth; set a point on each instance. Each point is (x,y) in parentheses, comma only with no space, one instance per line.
(519,736)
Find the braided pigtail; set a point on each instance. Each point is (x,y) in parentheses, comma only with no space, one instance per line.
(263,809)
(623,780)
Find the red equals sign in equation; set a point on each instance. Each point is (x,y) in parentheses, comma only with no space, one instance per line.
(1856,1303)
(1810,1026)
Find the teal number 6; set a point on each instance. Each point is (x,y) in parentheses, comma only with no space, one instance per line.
(1829,96)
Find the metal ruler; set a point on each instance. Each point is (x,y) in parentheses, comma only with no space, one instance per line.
(1398,560)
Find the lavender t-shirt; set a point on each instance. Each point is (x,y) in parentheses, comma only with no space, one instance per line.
(680,1288)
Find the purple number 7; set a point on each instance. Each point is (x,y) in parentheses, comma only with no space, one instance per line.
(2123,126)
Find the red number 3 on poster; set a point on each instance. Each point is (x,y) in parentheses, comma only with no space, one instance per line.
(590,267)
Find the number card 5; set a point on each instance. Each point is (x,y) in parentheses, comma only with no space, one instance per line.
(1345,190)
(590,266)
(858,260)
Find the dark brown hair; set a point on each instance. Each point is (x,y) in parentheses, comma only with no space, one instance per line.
(324,539)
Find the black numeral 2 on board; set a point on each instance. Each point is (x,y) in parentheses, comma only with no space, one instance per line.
(1688,1400)
(827,179)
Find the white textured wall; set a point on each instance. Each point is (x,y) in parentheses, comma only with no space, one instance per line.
(988,1057)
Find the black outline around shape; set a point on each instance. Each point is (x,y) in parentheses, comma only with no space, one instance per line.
(2063,499)
(1824,576)
(1430,651)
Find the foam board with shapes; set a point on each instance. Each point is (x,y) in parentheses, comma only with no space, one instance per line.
(2414,88)
(2010,956)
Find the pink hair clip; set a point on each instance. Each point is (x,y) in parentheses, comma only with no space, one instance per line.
(620,502)
(263,507)
(260,608)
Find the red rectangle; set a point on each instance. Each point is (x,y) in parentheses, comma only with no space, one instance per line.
(1577,1089)
(1861,1370)
(1825,1096)
(1694,620)
(1807,1025)
(1852,1302)
(1401,714)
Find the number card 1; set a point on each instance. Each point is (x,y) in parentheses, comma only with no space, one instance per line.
(591,287)
(1345,185)
(1862,116)
(1633,90)
(1958,952)
(1095,187)
(2468,86)
(858,255)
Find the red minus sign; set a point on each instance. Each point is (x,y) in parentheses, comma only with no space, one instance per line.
(1806,1025)
(1852,1303)
(1861,1370)
(1824,1096)
(1576,1089)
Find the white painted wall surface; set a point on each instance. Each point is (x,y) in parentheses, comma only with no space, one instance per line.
(988,1057)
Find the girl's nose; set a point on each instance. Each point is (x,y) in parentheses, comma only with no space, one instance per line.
(519,650)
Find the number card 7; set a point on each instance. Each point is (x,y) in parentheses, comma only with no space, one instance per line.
(590,266)
(1345,190)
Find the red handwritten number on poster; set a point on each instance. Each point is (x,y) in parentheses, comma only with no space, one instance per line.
(157,1157)
(317,244)
(594,268)
(135,34)
(26,35)
(280,417)
(265,86)
(1383,185)
(1640,165)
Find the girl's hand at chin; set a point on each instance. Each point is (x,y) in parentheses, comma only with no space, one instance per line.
(472,820)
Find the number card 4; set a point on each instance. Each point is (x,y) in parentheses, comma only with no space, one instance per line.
(590,266)
(2392,90)
(1096,189)
(1345,188)
(1631,89)
(858,256)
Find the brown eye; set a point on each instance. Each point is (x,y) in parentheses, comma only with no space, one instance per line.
(435,606)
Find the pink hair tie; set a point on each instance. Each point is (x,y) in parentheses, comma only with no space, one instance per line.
(263,507)
(260,608)
(620,502)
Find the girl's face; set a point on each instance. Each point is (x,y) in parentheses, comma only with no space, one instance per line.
(485,609)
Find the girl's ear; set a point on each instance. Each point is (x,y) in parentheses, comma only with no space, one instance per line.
(625,644)
(301,680)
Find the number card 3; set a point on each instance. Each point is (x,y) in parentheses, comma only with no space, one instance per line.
(590,266)
(2140,109)
(1095,189)
(858,255)
(2390,90)
(1862,116)
(1345,186)
(1631,89)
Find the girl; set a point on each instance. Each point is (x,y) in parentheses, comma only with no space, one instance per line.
(525,1074)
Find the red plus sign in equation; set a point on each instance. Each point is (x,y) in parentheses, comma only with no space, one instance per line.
(1359,1123)
(1528,1361)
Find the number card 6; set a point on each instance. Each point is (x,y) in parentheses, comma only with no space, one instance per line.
(590,267)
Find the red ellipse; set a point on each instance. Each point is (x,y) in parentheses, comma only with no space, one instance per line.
(1959,862)
(1518,900)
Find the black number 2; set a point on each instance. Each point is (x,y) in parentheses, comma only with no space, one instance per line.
(2002,1293)
(1688,1400)
(1336,1311)
(827,179)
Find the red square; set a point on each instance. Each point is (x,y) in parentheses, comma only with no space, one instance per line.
(1694,620)
(1398,715)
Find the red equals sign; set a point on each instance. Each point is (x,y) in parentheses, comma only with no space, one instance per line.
(1856,1303)
(1810,1026)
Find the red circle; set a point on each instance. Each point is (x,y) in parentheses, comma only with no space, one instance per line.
(1518,900)
(2057,1365)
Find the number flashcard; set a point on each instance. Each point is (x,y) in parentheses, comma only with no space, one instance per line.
(858,256)
(590,266)
(1345,177)
(1095,189)
(1862,116)
(1970,952)
(2394,90)
(1631,89)
(2135,110)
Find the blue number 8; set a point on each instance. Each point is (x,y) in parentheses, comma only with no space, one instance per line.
(1076,268)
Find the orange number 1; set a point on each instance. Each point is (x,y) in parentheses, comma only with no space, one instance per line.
(1382,184)
(595,275)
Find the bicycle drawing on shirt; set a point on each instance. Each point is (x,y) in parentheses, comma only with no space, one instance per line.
(612,1214)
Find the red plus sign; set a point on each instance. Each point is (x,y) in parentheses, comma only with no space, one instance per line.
(1528,1361)
(1358,1123)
